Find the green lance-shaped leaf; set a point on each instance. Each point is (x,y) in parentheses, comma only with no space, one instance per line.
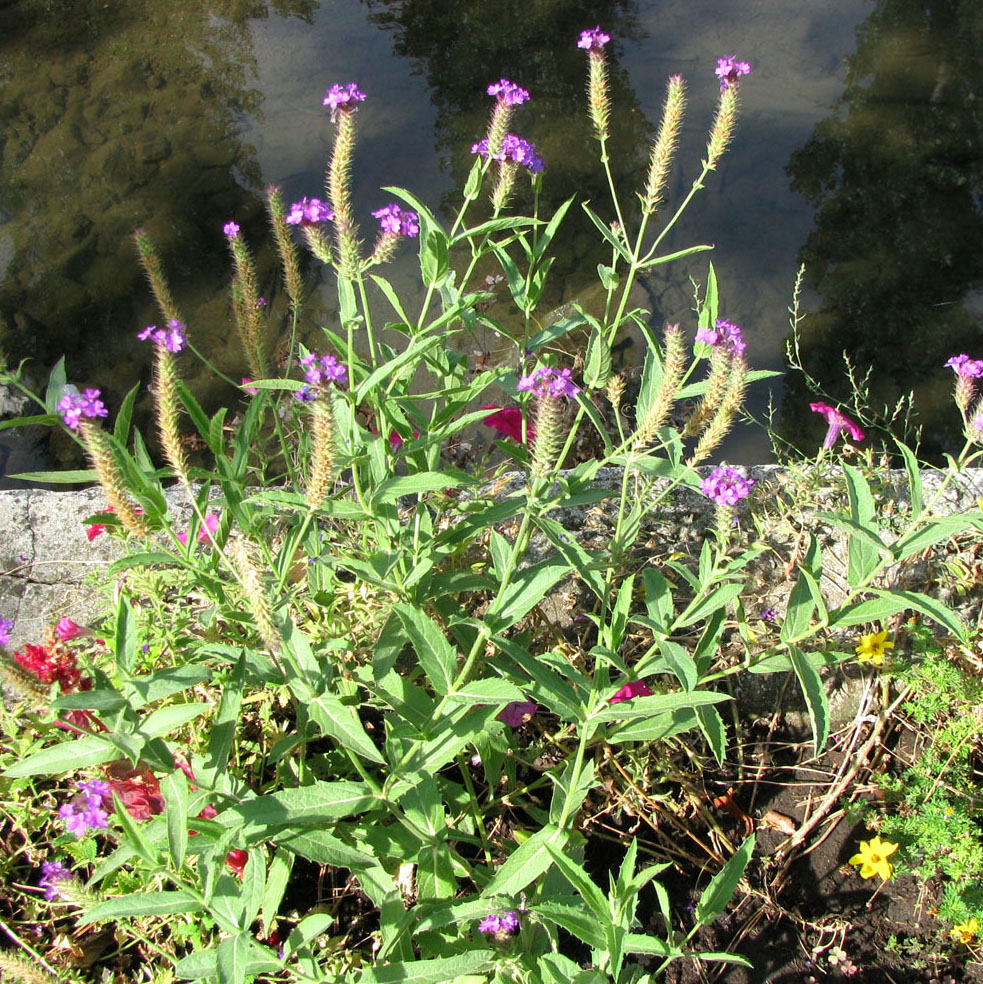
(718,893)
(814,693)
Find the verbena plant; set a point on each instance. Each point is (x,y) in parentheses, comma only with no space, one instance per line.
(350,685)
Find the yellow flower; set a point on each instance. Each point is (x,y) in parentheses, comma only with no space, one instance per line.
(965,932)
(873,858)
(872,647)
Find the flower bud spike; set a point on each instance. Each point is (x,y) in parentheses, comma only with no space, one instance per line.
(723,419)
(242,555)
(723,126)
(674,366)
(111,477)
(245,302)
(339,194)
(664,148)
(322,450)
(155,276)
(286,248)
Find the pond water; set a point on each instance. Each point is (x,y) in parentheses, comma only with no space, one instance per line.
(858,151)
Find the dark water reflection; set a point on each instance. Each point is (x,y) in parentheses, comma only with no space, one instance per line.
(895,178)
(174,117)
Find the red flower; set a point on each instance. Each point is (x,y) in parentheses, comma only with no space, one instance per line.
(53,664)
(637,688)
(236,859)
(508,421)
(137,789)
(96,528)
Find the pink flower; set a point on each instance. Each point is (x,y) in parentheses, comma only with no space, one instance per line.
(205,533)
(517,713)
(96,528)
(507,421)
(837,424)
(251,390)
(67,630)
(637,688)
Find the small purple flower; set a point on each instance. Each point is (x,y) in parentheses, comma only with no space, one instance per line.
(74,405)
(513,149)
(305,394)
(172,337)
(501,926)
(508,92)
(231,229)
(343,98)
(966,367)
(837,422)
(549,382)
(593,40)
(725,334)
(52,874)
(308,212)
(729,70)
(398,221)
(86,812)
(6,625)
(516,713)
(321,370)
(769,615)
(726,486)
(261,302)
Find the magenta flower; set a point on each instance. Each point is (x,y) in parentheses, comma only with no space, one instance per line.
(86,811)
(74,406)
(251,390)
(837,424)
(231,229)
(52,874)
(516,713)
(724,334)
(726,486)
(729,70)
(507,421)
(964,366)
(398,221)
(205,533)
(66,630)
(548,382)
(593,40)
(309,212)
(637,688)
(504,925)
(172,337)
(343,98)
(508,92)
(6,625)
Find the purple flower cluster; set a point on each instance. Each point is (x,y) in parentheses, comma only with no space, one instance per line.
(726,486)
(86,811)
(5,626)
(74,406)
(725,334)
(508,92)
(769,615)
(231,229)
(548,382)
(593,40)
(343,98)
(729,70)
(319,371)
(309,212)
(513,149)
(172,337)
(503,925)
(400,221)
(52,874)
(964,366)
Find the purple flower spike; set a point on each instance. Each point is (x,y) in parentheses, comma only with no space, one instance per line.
(500,926)
(5,626)
(86,811)
(52,874)
(320,370)
(73,406)
(309,212)
(729,70)
(724,334)
(726,486)
(593,40)
(231,230)
(508,92)
(172,338)
(343,98)
(516,713)
(837,424)
(399,221)
(964,366)
(548,382)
